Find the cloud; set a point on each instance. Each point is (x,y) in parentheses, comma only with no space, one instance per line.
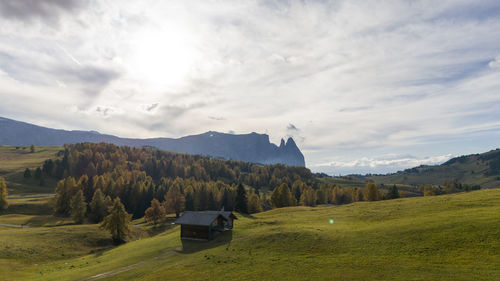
(217,118)
(150,107)
(383,163)
(495,63)
(47,10)
(345,79)
(291,127)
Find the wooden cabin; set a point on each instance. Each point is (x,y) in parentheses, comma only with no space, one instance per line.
(204,225)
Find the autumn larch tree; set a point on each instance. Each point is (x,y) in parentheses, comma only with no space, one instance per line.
(117,222)
(98,206)
(254,205)
(174,199)
(308,197)
(155,213)
(372,192)
(241,202)
(64,192)
(282,197)
(4,204)
(78,207)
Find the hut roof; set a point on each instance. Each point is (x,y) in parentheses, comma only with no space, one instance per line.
(199,218)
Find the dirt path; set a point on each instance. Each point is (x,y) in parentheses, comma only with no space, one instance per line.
(16,225)
(132,266)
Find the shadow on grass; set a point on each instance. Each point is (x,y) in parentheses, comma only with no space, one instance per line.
(193,246)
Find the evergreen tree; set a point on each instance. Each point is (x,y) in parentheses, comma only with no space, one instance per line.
(155,213)
(3,195)
(393,192)
(241,204)
(38,173)
(117,222)
(27,173)
(32,149)
(78,207)
(98,206)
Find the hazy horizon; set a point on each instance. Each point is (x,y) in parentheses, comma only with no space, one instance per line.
(362,87)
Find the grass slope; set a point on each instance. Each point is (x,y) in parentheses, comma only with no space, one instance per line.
(449,237)
(477,169)
(14,161)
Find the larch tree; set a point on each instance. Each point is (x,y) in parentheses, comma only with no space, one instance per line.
(78,207)
(308,197)
(4,204)
(241,202)
(155,213)
(371,192)
(254,205)
(282,197)
(174,199)
(117,222)
(98,206)
(65,190)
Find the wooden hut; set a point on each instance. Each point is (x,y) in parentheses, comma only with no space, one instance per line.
(204,225)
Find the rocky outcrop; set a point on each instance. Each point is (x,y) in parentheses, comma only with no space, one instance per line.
(255,148)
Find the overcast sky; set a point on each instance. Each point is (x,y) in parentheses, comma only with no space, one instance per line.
(362,86)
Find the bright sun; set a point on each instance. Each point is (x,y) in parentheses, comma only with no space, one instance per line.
(161,59)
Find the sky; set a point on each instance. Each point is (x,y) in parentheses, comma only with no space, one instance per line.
(362,86)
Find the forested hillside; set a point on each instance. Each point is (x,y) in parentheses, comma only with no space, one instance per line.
(138,175)
(476,169)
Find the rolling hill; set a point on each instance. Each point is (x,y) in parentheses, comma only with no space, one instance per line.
(476,169)
(253,147)
(448,237)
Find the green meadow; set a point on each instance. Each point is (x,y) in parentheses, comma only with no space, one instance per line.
(448,237)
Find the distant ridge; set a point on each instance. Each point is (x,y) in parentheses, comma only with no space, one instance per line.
(253,147)
(474,169)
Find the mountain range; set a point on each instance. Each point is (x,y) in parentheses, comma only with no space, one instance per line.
(253,147)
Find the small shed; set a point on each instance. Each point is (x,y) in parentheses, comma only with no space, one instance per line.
(204,225)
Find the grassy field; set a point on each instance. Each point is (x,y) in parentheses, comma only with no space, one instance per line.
(14,161)
(449,237)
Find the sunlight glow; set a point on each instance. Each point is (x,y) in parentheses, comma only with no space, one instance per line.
(161,59)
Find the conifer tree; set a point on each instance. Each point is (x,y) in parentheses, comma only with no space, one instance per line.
(64,192)
(241,204)
(38,173)
(174,200)
(98,206)
(155,213)
(78,207)
(371,192)
(282,197)
(393,192)
(117,222)
(308,197)
(254,205)
(4,204)
(27,173)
